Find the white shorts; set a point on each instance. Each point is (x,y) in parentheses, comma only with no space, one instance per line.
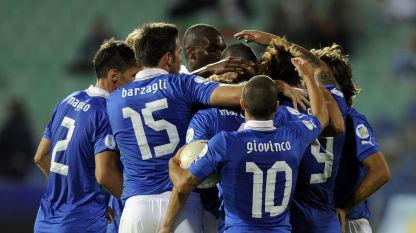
(358,226)
(145,214)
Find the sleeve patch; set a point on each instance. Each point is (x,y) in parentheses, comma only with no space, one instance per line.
(293,111)
(109,142)
(190,135)
(361,131)
(337,92)
(199,79)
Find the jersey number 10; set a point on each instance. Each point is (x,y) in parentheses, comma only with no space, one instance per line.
(278,166)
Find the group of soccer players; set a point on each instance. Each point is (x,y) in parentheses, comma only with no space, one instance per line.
(293,154)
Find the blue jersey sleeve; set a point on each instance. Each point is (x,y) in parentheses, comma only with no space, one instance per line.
(365,141)
(197,89)
(339,98)
(47,133)
(211,158)
(308,129)
(103,137)
(201,126)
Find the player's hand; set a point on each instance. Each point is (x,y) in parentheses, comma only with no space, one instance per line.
(232,64)
(297,96)
(304,68)
(341,214)
(262,38)
(110,215)
(229,77)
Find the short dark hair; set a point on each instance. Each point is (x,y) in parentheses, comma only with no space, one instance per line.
(239,50)
(260,96)
(276,62)
(113,54)
(341,69)
(194,34)
(153,41)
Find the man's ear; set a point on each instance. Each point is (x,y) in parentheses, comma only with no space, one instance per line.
(113,75)
(190,53)
(243,106)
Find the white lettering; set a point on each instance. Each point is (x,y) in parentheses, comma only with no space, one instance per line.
(267,146)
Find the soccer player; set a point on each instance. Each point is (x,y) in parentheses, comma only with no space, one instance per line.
(313,208)
(254,202)
(203,45)
(363,169)
(149,118)
(78,152)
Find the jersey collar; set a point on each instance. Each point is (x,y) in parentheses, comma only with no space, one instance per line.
(96,91)
(260,125)
(149,73)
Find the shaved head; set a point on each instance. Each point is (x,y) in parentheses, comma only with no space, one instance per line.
(260,97)
(195,35)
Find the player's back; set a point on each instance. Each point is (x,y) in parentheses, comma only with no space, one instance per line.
(313,208)
(259,176)
(73,199)
(149,118)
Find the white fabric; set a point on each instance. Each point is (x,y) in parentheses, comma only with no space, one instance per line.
(358,226)
(259,125)
(210,223)
(96,91)
(149,73)
(184,70)
(145,214)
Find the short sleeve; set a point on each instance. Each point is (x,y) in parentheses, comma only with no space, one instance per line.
(212,156)
(197,89)
(200,127)
(365,141)
(47,133)
(103,138)
(308,129)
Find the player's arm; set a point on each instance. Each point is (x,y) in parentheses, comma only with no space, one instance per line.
(107,172)
(183,184)
(336,122)
(307,72)
(229,64)
(230,95)
(42,157)
(259,37)
(378,174)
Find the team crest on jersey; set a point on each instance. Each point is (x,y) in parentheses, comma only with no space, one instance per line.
(362,131)
(109,142)
(199,79)
(190,135)
(309,124)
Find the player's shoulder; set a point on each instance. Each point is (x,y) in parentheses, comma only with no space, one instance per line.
(355,115)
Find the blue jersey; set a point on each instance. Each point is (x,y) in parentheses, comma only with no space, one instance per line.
(313,208)
(360,143)
(258,167)
(149,118)
(208,122)
(78,130)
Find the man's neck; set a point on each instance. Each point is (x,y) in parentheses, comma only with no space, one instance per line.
(105,85)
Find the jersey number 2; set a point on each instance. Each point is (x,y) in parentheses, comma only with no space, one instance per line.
(158,125)
(61,146)
(279,166)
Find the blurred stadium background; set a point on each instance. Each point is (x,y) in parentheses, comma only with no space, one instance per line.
(47,45)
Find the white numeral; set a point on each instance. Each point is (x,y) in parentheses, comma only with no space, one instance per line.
(326,157)
(61,146)
(158,125)
(279,166)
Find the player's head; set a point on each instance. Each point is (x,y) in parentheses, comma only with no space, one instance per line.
(340,67)
(157,45)
(259,99)
(203,44)
(115,63)
(240,51)
(276,63)
(131,38)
